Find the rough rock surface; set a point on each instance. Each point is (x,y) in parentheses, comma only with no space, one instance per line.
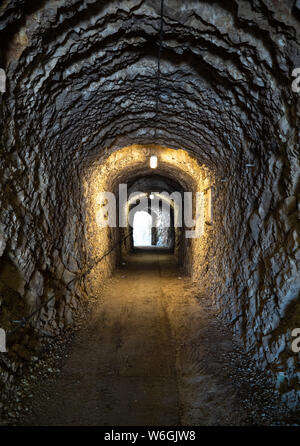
(157,364)
(82,83)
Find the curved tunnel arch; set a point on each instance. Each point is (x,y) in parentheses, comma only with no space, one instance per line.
(110,31)
(82,83)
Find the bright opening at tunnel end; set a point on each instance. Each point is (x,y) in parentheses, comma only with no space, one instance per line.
(108,209)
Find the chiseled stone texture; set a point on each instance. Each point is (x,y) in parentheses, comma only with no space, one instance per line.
(82,82)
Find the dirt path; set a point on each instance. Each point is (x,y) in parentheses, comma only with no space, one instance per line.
(152,353)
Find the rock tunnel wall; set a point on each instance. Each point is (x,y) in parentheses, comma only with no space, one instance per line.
(82,81)
(40,245)
(261,298)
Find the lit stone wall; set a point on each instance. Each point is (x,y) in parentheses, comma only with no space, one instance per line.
(105,174)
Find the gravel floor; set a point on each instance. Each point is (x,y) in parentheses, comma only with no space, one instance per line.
(148,350)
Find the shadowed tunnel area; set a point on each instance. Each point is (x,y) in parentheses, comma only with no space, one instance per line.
(191,329)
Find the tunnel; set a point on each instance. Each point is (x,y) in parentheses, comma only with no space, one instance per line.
(90,92)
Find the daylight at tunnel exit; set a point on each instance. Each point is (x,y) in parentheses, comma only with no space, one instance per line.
(149,216)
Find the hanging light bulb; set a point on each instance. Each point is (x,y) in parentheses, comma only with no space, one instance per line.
(151,196)
(153,162)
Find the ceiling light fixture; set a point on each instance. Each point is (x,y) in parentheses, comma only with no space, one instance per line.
(153,162)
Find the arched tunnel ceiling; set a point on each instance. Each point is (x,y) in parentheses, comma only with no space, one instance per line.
(153,183)
(82,76)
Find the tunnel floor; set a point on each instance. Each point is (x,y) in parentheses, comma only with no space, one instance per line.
(152,352)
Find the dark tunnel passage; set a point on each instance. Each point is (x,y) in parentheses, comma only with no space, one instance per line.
(90,92)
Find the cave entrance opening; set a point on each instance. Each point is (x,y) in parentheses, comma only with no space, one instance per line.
(153,230)
(142,229)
